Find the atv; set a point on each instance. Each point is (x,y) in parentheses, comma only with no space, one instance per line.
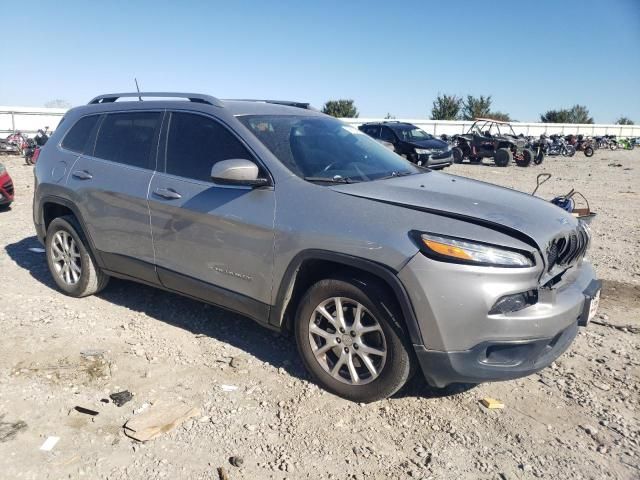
(492,139)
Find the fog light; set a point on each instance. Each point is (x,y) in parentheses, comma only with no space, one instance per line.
(515,302)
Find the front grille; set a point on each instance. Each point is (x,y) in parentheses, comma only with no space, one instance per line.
(568,248)
(8,187)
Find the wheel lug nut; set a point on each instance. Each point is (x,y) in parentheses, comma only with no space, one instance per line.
(355,345)
(352,333)
(338,339)
(341,330)
(346,349)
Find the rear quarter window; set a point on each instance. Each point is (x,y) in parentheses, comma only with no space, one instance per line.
(77,139)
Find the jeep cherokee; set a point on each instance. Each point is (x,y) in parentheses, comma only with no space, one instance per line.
(306,224)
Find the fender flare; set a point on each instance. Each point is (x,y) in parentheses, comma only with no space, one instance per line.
(71,206)
(385,274)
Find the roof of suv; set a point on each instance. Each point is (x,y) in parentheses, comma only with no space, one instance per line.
(392,123)
(234,107)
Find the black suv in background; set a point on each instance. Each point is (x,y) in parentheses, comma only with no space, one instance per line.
(411,142)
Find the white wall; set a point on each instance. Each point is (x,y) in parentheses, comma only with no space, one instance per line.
(29,120)
(450,127)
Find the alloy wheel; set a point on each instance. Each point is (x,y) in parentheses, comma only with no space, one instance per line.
(65,256)
(347,341)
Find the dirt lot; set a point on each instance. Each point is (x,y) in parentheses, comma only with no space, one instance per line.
(576,419)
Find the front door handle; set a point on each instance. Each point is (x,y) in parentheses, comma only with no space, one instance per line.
(168,193)
(82,175)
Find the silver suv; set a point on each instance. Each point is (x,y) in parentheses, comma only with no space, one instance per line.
(308,225)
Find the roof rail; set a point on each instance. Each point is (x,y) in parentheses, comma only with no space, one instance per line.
(288,103)
(193,97)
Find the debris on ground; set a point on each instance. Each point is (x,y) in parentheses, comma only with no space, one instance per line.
(120,398)
(86,411)
(36,250)
(49,443)
(236,461)
(8,430)
(492,403)
(162,418)
(228,388)
(222,474)
(92,353)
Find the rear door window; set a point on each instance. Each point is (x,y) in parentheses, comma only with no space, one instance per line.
(129,138)
(195,143)
(387,135)
(78,138)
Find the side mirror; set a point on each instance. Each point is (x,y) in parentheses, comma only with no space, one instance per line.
(237,171)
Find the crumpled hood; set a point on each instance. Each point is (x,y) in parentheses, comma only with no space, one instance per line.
(431,144)
(518,214)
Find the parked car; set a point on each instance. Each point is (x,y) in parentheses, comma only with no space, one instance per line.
(304,224)
(411,142)
(487,138)
(6,188)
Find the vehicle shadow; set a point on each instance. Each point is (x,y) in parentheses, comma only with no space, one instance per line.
(201,319)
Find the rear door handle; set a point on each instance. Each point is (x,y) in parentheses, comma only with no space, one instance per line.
(167,193)
(82,175)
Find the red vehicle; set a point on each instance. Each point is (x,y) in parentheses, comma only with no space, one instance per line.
(6,188)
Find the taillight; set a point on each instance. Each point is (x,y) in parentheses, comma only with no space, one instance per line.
(36,154)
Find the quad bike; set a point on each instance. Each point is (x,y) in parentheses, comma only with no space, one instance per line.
(489,138)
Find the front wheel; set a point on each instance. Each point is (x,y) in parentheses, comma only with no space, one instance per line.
(351,339)
(613,146)
(458,155)
(569,151)
(527,157)
(588,152)
(503,157)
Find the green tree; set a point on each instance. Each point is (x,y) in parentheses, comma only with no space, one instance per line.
(500,116)
(579,114)
(446,107)
(624,121)
(476,107)
(340,109)
(575,114)
(555,116)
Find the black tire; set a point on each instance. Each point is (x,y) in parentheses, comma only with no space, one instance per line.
(613,145)
(458,156)
(588,152)
(475,159)
(570,151)
(527,157)
(397,367)
(91,279)
(503,157)
(539,157)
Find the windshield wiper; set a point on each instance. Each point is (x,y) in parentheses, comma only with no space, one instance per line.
(336,179)
(396,174)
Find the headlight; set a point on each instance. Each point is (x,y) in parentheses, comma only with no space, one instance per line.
(462,251)
(423,151)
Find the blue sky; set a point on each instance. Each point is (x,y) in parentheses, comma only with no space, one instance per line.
(388,56)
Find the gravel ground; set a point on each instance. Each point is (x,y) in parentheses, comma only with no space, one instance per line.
(575,419)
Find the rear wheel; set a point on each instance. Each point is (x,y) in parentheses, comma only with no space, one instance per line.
(588,151)
(503,157)
(70,263)
(457,154)
(613,145)
(351,341)
(569,151)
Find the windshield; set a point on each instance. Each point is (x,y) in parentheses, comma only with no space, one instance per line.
(325,148)
(413,134)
